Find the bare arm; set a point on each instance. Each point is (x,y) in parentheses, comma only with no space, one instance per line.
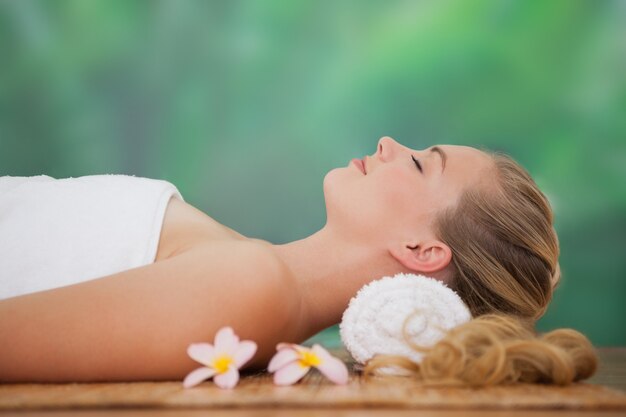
(137,324)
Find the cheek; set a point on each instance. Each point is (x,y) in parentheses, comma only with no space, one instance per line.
(404,201)
(395,195)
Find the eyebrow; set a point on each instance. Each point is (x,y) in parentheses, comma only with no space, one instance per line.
(442,154)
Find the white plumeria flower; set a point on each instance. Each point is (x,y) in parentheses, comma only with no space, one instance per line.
(222,360)
(292,362)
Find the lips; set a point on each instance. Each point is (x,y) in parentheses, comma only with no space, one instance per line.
(360,165)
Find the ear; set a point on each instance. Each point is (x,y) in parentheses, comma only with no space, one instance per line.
(425,257)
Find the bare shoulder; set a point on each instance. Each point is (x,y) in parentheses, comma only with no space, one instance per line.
(247,257)
(265,305)
(257,267)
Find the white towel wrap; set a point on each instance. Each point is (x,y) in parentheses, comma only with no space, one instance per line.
(58,232)
(372,323)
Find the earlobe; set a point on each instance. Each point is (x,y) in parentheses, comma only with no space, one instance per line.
(425,257)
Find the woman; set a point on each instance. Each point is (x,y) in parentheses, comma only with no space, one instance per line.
(472,219)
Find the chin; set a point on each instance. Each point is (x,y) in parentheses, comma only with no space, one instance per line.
(334,189)
(337,182)
(340,197)
(332,179)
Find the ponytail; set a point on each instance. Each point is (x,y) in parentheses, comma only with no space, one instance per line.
(496,349)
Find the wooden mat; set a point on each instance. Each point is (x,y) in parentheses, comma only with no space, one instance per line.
(313,391)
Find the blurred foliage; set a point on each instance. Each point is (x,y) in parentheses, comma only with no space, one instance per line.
(222,98)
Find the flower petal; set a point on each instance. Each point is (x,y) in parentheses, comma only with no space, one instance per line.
(282,358)
(334,369)
(197,376)
(228,379)
(201,352)
(226,340)
(290,373)
(284,346)
(320,351)
(244,352)
(293,346)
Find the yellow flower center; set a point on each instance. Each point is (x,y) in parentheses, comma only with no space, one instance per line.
(308,359)
(222,363)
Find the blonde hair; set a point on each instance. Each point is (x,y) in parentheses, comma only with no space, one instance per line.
(505,267)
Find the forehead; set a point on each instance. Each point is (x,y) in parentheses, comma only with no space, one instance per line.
(466,164)
(460,150)
(458,156)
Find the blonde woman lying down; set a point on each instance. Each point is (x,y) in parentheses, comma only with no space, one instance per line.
(110,278)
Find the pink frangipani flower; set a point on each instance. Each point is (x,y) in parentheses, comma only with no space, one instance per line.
(222,360)
(292,362)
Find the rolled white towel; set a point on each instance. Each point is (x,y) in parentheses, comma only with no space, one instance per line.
(372,323)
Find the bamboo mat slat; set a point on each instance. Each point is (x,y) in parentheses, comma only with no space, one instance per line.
(314,391)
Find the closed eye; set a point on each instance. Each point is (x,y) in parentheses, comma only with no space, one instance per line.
(417,163)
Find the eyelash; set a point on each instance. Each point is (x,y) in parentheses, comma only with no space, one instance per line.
(419,166)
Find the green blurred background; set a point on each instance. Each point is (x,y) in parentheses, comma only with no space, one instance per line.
(245,105)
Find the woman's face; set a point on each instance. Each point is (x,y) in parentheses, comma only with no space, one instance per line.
(393,199)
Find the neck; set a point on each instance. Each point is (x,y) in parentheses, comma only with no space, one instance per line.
(328,271)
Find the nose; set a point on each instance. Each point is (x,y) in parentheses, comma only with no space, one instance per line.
(386,147)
